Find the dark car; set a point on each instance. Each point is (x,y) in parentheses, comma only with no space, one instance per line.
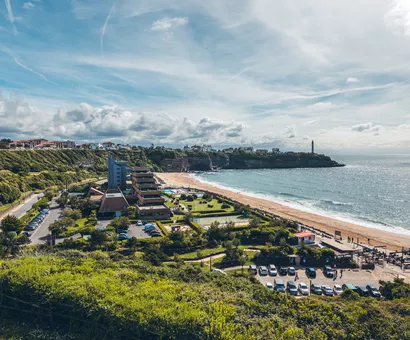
(311,272)
(328,271)
(373,291)
(316,289)
(292,289)
(283,271)
(291,271)
(362,290)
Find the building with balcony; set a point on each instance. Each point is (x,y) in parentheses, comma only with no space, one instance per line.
(150,204)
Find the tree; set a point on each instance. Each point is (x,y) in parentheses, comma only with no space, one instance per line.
(49,194)
(397,289)
(62,201)
(182,197)
(254,222)
(120,223)
(190,198)
(131,211)
(11,223)
(188,217)
(242,261)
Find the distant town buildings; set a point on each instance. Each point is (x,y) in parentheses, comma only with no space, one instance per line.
(199,148)
(41,143)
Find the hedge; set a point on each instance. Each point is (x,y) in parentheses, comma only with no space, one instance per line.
(196,227)
(163,229)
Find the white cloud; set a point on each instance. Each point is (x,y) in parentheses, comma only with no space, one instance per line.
(352,80)
(362,127)
(398,18)
(168,23)
(290,131)
(28,5)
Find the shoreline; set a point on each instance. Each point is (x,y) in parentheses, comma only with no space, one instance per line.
(378,237)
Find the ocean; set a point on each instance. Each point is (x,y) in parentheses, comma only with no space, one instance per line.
(373,191)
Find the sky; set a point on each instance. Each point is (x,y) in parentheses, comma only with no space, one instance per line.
(266,73)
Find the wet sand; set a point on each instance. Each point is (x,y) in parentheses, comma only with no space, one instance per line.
(377,237)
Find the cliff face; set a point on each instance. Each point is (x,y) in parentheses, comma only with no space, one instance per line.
(285,160)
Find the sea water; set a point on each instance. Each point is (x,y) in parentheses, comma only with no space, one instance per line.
(370,190)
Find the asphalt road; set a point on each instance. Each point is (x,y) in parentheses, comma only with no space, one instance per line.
(27,205)
(39,235)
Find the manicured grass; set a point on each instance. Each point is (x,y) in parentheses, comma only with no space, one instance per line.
(5,207)
(204,252)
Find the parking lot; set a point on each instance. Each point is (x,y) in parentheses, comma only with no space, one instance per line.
(355,277)
(133,230)
(137,231)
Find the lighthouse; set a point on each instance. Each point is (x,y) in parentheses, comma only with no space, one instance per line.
(313,146)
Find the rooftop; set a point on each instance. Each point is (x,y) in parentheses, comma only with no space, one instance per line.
(113,195)
(304,234)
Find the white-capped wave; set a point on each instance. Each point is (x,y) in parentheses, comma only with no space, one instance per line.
(308,205)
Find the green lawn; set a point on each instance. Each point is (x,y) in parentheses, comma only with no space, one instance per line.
(204,252)
(198,206)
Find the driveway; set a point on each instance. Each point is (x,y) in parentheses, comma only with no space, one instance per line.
(40,234)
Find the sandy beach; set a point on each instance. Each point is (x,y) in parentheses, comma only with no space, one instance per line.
(377,237)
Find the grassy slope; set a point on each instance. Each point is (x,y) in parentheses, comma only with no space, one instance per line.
(135,300)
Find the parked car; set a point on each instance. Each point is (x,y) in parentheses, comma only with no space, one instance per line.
(26,233)
(373,291)
(263,271)
(311,272)
(291,271)
(316,289)
(279,286)
(337,289)
(303,289)
(362,290)
(155,234)
(327,291)
(292,288)
(139,223)
(253,269)
(328,271)
(283,271)
(269,285)
(123,237)
(350,286)
(45,211)
(272,270)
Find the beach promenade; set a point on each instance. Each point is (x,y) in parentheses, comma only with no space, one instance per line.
(392,241)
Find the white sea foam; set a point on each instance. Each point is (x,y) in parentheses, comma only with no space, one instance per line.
(307,206)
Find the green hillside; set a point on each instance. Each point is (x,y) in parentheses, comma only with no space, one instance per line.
(93,297)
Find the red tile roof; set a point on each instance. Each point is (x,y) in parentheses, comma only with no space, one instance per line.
(304,234)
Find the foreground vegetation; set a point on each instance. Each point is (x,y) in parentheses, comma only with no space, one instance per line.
(97,297)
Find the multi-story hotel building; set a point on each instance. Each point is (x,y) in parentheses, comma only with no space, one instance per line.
(150,204)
